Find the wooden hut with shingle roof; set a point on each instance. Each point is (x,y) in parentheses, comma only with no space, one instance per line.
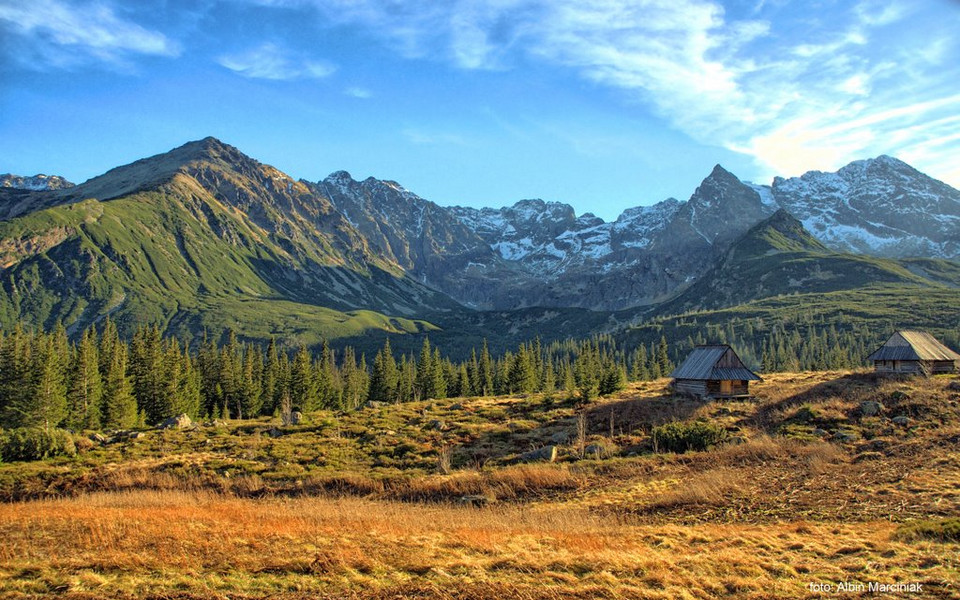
(713,372)
(914,352)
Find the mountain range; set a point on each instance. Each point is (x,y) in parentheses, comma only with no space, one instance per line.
(205,238)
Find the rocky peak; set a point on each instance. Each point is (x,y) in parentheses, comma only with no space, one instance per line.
(37,183)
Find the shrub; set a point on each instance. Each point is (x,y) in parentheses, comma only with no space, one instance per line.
(681,437)
(29,443)
(942,530)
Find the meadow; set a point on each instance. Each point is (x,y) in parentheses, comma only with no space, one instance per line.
(431,500)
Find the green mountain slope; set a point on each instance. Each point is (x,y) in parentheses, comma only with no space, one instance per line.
(202,237)
(778,256)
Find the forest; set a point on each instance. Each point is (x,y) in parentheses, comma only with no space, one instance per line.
(102,382)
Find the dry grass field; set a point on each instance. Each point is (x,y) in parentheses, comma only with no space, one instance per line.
(810,492)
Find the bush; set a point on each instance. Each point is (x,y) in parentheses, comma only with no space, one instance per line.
(943,530)
(29,443)
(681,437)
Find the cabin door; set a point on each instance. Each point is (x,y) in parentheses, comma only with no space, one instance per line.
(726,387)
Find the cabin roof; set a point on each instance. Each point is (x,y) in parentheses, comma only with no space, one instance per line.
(701,364)
(913,345)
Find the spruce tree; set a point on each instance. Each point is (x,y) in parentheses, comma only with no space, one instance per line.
(44,403)
(426,381)
(119,405)
(486,374)
(303,382)
(385,379)
(85,392)
(14,373)
(270,380)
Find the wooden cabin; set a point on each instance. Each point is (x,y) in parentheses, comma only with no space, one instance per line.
(713,372)
(914,352)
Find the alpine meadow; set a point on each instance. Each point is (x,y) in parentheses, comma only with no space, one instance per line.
(222,379)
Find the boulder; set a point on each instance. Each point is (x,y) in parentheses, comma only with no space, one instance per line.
(870,408)
(181,421)
(374,404)
(954,386)
(594,451)
(456,406)
(296,417)
(98,438)
(844,437)
(547,453)
(274,432)
(437,424)
(901,420)
(560,437)
(820,432)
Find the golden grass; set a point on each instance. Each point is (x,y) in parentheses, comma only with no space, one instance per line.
(758,519)
(208,545)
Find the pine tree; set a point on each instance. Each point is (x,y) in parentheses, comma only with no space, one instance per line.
(150,384)
(485,374)
(426,380)
(270,380)
(439,383)
(44,403)
(639,371)
(189,398)
(84,396)
(119,405)
(385,379)
(303,382)
(14,372)
(663,358)
(587,373)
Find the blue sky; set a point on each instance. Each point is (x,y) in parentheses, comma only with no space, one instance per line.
(604,104)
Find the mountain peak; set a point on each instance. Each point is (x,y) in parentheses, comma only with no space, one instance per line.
(38,182)
(780,232)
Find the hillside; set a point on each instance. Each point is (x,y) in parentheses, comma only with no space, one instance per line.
(202,238)
(779,256)
(810,486)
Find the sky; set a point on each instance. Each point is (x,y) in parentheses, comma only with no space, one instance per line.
(604,105)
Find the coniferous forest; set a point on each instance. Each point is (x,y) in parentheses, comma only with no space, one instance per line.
(101,381)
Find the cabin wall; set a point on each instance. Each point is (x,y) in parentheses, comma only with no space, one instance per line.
(693,387)
(736,388)
(896,366)
(714,388)
(915,366)
(942,366)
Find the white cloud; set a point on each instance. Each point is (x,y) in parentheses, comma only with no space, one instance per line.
(63,34)
(269,61)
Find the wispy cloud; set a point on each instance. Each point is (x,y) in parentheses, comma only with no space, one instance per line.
(775,83)
(62,33)
(270,61)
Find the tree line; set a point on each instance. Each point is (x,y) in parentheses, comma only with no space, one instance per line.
(101,381)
